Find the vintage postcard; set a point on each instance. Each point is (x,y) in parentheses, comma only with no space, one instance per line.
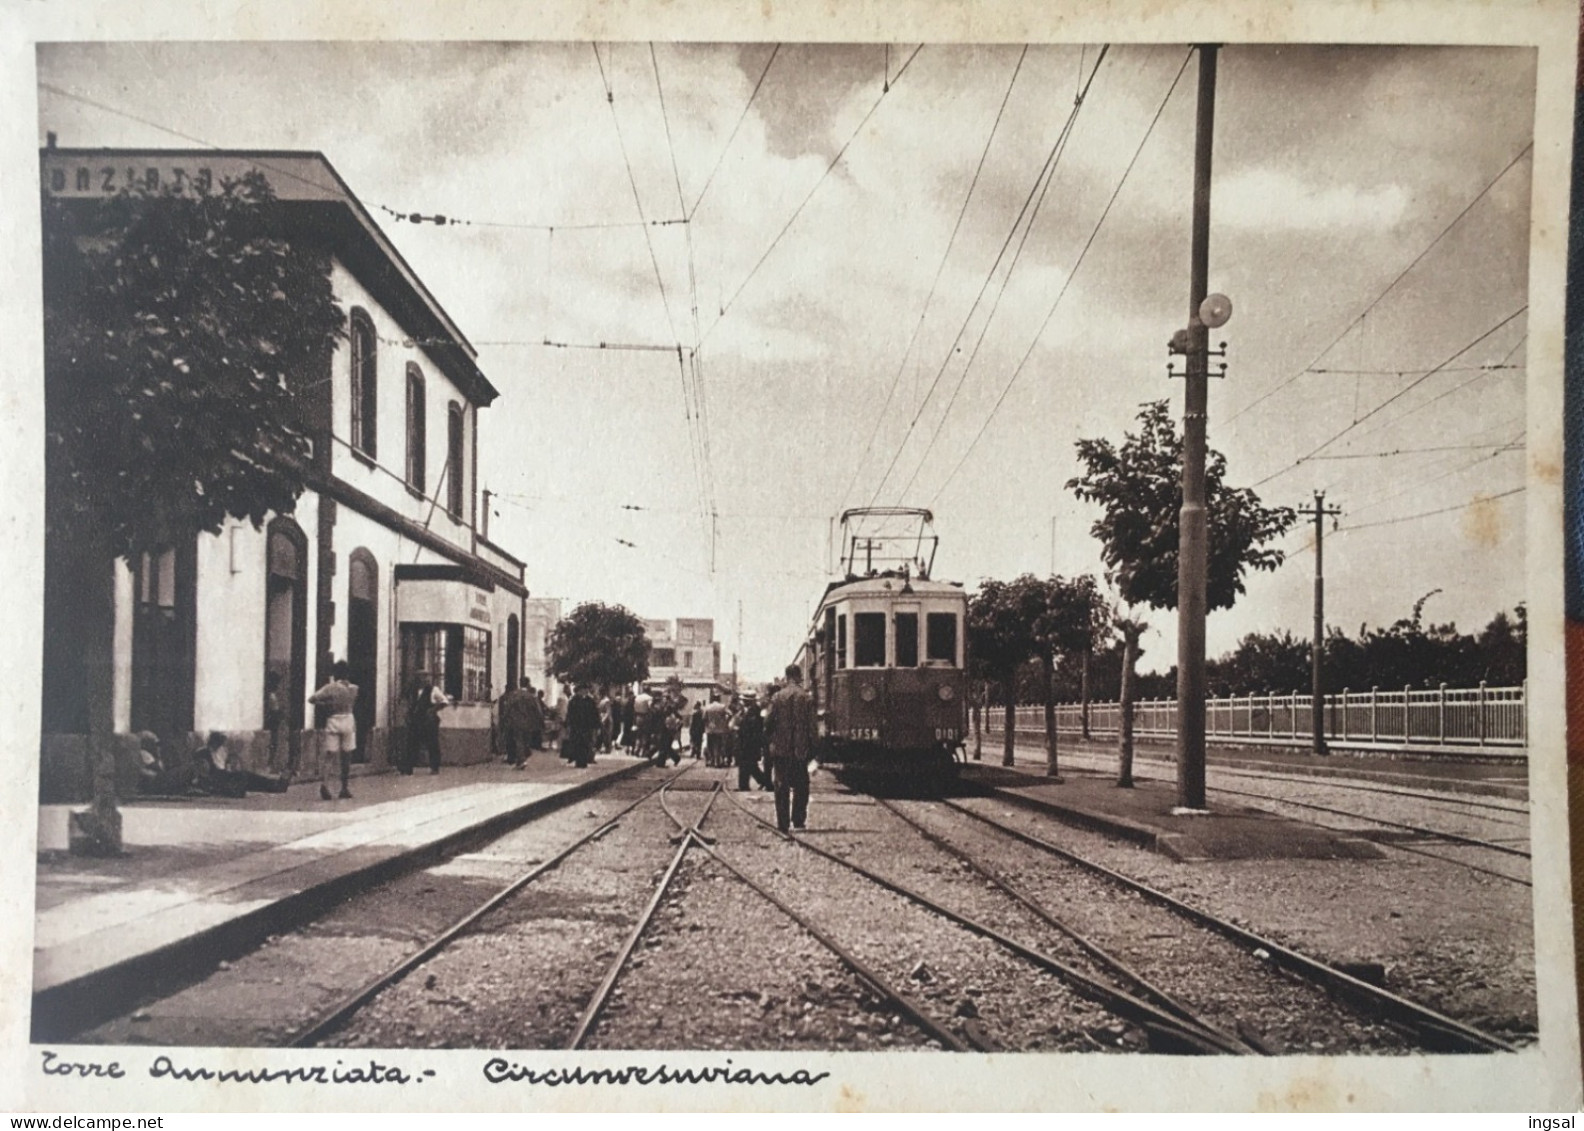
(902,558)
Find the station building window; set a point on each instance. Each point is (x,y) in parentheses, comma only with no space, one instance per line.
(663,657)
(417,424)
(365,385)
(457,656)
(454,472)
(940,645)
(869,633)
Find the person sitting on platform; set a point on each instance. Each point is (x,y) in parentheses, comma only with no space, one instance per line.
(154,777)
(215,772)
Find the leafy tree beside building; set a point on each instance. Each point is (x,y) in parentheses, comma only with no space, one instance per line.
(181,330)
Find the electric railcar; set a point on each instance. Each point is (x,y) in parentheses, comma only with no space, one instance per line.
(886,657)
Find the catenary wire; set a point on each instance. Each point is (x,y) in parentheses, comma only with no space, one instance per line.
(840,153)
(1415,383)
(1478,499)
(1071,275)
(934,284)
(709,180)
(995,303)
(1469,207)
(1017,222)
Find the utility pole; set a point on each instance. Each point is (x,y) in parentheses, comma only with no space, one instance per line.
(714,519)
(1192,551)
(1320,513)
(487,495)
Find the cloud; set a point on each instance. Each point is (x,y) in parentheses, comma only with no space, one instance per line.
(1278,200)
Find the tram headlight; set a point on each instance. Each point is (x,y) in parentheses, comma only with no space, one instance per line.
(946,692)
(867,693)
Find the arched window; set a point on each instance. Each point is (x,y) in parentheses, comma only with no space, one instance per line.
(513,651)
(286,615)
(365,384)
(454,454)
(362,648)
(417,423)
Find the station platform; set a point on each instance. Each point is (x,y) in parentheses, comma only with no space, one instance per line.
(1147,815)
(1417,769)
(204,877)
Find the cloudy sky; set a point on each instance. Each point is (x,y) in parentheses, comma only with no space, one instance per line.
(864,335)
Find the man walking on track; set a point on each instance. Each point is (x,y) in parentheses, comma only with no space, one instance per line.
(791,729)
(750,742)
(716,725)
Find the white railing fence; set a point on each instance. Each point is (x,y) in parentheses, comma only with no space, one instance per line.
(1444,716)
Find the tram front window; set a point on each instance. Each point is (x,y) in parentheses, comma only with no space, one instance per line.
(869,630)
(941,639)
(907,640)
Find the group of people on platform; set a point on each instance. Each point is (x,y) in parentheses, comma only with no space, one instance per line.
(770,745)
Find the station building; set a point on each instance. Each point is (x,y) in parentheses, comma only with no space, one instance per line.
(381,562)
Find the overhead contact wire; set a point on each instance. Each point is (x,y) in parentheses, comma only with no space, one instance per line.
(1067,283)
(934,283)
(1039,179)
(1401,275)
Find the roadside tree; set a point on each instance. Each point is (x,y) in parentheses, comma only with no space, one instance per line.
(1000,637)
(1138,486)
(599,644)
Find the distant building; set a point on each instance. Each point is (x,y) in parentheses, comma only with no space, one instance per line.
(381,562)
(689,653)
(540,615)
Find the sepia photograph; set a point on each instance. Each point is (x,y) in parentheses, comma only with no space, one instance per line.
(767,561)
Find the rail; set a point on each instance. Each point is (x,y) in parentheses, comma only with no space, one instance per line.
(1462,717)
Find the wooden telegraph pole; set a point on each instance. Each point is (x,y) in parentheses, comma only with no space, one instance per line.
(1193,535)
(1320,513)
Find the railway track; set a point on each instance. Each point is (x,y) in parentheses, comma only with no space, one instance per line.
(691,834)
(1439,1032)
(1034,956)
(687,835)
(1169,1024)
(1431,1030)
(339,1014)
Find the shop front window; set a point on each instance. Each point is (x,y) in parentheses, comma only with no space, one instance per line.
(475,653)
(456,657)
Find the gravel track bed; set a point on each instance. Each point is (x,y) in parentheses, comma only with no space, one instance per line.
(1500,828)
(1227,985)
(522,977)
(960,978)
(721,968)
(262,997)
(1454,940)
